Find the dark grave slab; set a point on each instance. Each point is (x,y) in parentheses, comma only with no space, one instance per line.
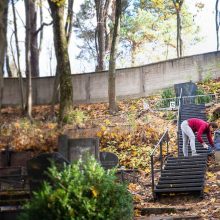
(12,178)
(9,158)
(79,148)
(188,89)
(108,160)
(38,166)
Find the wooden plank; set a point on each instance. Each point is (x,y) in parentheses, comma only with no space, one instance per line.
(184,166)
(189,158)
(182,170)
(181,181)
(184,189)
(185,162)
(190,176)
(180,185)
(182,173)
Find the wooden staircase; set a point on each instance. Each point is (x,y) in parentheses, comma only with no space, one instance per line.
(184,174)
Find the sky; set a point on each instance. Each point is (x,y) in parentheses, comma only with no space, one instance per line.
(205,19)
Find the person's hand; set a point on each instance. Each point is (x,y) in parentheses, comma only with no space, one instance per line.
(205,145)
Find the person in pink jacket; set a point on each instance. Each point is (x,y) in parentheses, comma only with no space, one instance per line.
(193,125)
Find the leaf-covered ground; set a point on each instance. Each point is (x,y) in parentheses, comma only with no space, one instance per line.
(131,134)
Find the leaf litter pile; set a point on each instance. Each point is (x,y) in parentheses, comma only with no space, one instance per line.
(131,134)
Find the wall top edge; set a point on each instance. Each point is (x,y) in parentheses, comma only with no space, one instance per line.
(135,67)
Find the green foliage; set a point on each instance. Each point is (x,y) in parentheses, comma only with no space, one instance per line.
(202,99)
(75,117)
(207,77)
(167,93)
(170,115)
(81,191)
(132,120)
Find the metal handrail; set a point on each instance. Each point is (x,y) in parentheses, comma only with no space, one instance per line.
(165,137)
(179,118)
(186,100)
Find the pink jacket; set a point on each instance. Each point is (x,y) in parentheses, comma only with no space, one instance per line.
(201,127)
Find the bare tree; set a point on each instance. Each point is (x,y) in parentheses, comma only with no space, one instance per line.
(217,23)
(178,6)
(28,59)
(33,39)
(3,42)
(102,36)
(18,57)
(69,21)
(112,62)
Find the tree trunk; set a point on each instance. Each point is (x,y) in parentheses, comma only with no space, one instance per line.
(8,66)
(179,43)
(69,21)
(3,42)
(63,64)
(101,35)
(33,40)
(28,59)
(112,62)
(68,32)
(178,34)
(217,23)
(42,31)
(21,84)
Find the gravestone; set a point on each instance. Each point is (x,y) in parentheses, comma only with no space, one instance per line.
(108,160)
(38,166)
(217,146)
(188,89)
(79,148)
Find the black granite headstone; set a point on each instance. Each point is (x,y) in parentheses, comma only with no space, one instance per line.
(79,148)
(108,160)
(217,140)
(38,166)
(188,89)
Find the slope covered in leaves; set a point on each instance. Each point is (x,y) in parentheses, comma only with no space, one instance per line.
(131,134)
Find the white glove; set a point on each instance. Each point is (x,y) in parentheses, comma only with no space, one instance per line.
(205,145)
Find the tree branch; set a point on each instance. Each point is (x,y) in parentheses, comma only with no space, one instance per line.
(42,26)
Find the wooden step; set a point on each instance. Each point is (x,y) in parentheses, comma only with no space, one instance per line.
(179,185)
(197,180)
(182,189)
(184,166)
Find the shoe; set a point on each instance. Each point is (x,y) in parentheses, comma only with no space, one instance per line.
(210,151)
(195,155)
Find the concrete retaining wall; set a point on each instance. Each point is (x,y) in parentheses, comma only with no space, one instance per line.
(130,82)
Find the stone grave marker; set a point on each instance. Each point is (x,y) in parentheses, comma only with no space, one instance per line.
(38,166)
(188,89)
(108,160)
(79,148)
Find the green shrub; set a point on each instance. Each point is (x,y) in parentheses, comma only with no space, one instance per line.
(75,116)
(202,99)
(168,93)
(169,115)
(82,191)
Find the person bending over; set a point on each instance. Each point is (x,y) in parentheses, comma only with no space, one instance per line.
(193,125)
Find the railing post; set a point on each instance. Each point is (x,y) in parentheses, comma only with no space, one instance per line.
(161,157)
(167,140)
(152,172)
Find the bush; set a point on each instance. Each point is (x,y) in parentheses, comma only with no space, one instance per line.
(167,95)
(77,117)
(81,191)
(202,99)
